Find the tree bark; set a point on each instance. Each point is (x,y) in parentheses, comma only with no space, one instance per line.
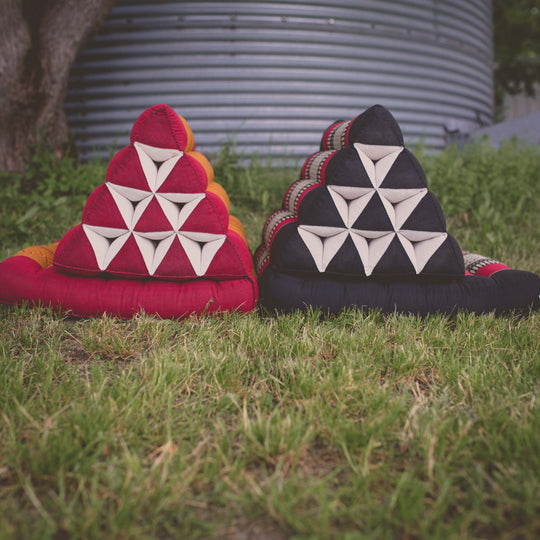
(39,40)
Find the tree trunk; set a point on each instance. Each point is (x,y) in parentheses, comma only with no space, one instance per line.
(39,40)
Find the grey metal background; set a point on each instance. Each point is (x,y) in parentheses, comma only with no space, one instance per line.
(274,75)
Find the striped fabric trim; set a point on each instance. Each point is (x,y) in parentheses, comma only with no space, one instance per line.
(315,165)
(262,258)
(295,194)
(328,134)
(273,223)
(335,135)
(480,265)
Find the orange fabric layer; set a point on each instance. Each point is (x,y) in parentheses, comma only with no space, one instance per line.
(236,225)
(205,163)
(217,189)
(43,255)
(190,145)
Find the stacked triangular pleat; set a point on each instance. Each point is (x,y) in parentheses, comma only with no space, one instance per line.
(363,210)
(160,213)
(360,216)
(157,236)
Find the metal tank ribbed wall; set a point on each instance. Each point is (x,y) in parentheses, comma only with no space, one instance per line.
(274,75)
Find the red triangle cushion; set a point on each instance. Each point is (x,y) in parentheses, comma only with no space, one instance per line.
(156,236)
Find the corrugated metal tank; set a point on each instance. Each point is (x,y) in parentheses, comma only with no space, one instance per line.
(274,75)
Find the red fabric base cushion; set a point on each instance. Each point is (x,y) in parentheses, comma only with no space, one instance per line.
(23,280)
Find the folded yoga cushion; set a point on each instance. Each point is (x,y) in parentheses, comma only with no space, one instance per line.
(361,228)
(157,236)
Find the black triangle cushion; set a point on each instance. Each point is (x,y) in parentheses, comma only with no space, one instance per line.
(361,223)
(370,197)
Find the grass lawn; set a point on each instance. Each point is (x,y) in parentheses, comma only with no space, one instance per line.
(254,426)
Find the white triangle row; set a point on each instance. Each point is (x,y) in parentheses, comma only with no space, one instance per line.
(199,247)
(399,204)
(132,203)
(324,243)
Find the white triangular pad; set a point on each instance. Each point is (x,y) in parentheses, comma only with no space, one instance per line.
(369,166)
(323,231)
(371,235)
(131,203)
(371,246)
(322,242)
(362,247)
(390,210)
(200,248)
(420,236)
(398,195)
(421,245)
(314,243)
(158,154)
(331,246)
(106,232)
(406,207)
(106,242)
(148,166)
(350,201)
(377,160)
(341,205)
(131,194)
(164,170)
(148,155)
(153,247)
(377,151)
(409,250)
(350,192)
(384,165)
(377,248)
(177,207)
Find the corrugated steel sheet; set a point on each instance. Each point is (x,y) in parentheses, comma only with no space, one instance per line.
(274,75)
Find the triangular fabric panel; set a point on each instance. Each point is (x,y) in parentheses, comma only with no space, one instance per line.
(346,168)
(102,211)
(369,213)
(318,208)
(159,215)
(405,173)
(427,216)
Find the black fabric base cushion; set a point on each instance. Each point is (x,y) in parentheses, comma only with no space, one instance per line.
(503,292)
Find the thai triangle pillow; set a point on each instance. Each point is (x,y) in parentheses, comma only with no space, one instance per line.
(159,222)
(361,228)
